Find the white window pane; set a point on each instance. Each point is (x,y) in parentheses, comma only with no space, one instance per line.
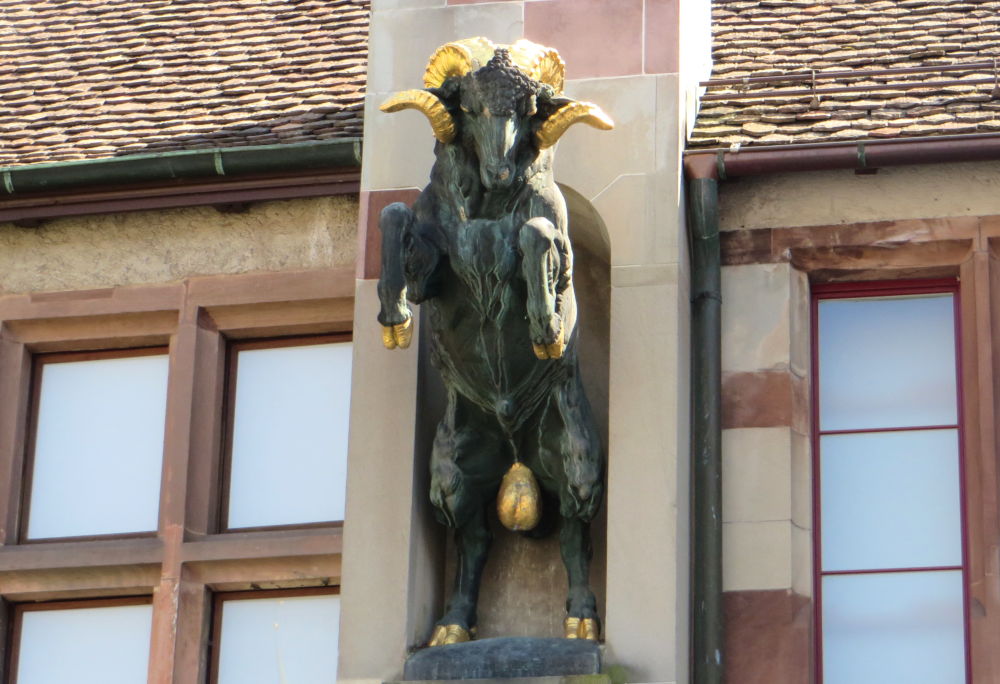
(289,457)
(895,627)
(280,640)
(890,500)
(99,447)
(108,645)
(887,362)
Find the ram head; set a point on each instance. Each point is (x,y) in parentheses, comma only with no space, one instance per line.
(498,99)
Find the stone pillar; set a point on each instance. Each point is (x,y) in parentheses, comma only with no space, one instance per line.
(767,480)
(627,57)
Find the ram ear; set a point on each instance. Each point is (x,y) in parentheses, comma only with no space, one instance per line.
(446,90)
(430,106)
(566,114)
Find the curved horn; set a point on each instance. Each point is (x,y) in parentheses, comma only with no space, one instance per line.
(540,63)
(451,59)
(567,115)
(431,107)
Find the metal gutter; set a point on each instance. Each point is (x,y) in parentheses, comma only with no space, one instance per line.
(182,165)
(865,155)
(228,178)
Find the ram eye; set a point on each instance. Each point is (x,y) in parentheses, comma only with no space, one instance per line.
(465,109)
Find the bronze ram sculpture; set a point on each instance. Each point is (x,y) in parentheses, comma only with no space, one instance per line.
(485,249)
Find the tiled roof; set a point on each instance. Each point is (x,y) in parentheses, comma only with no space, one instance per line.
(88,79)
(767,38)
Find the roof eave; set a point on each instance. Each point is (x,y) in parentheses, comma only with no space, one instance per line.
(217,176)
(859,155)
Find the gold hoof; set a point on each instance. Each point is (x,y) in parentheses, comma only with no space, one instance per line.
(551,351)
(449,634)
(399,335)
(581,628)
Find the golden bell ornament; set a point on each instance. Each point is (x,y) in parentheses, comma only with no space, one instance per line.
(519,503)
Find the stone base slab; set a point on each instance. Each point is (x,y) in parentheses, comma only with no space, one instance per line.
(508,658)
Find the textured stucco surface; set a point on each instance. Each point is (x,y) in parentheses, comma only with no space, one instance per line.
(822,198)
(110,250)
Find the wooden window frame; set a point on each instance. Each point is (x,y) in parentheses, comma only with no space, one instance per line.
(867,290)
(18,610)
(229,410)
(187,559)
(219,599)
(39,361)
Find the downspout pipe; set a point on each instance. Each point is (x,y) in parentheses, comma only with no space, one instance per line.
(187,165)
(707,661)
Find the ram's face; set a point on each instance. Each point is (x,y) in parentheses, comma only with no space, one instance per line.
(496,105)
(502,108)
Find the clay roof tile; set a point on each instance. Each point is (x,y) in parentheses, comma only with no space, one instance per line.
(86,79)
(794,37)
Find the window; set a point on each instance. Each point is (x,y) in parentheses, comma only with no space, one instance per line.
(276,636)
(890,557)
(287,449)
(97,445)
(113,430)
(84,642)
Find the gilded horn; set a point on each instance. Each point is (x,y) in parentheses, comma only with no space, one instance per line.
(451,59)
(431,107)
(567,115)
(540,63)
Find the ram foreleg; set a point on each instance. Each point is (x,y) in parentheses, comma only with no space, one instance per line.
(545,267)
(409,261)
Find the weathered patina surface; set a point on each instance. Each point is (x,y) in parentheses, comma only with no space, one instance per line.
(485,249)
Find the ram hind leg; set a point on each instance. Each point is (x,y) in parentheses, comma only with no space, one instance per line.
(466,466)
(546,268)
(570,437)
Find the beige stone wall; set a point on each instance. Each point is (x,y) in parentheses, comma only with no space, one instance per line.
(829,197)
(767,493)
(111,250)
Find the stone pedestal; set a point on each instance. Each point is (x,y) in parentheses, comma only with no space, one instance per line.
(506,658)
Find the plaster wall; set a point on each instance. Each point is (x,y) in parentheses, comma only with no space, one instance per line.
(112,250)
(829,197)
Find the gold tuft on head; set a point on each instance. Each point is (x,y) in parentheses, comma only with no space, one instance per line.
(441,121)
(567,115)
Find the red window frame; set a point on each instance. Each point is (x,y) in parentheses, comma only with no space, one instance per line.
(39,361)
(18,610)
(218,606)
(859,290)
(233,349)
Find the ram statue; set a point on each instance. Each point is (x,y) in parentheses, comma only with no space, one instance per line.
(486,252)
